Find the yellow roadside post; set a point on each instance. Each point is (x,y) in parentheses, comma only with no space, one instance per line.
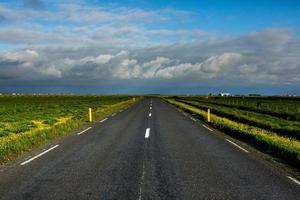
(208,115)
(90,115)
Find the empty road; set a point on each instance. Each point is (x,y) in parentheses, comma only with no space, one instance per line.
(148,151)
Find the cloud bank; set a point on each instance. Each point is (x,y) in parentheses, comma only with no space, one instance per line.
(116,43)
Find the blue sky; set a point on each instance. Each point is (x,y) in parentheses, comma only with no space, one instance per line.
(181,46)
(221,16)
(229,16)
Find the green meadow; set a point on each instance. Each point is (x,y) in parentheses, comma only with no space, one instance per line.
(28,121)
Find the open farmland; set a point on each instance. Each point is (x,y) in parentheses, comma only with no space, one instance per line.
(29,120)
(276,132)
(280,107)
(144,150)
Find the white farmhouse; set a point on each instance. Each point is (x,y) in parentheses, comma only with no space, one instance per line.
(225,94)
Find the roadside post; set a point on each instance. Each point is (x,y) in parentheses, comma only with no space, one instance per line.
(208,115)
(90,115)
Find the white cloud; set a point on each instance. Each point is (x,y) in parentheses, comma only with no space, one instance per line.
(149,69)
(216,63)
(22,56)
(248,69)
(51,72)
(103,58)
(118,43)
(177,71)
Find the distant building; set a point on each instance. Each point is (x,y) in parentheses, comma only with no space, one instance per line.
(225,94)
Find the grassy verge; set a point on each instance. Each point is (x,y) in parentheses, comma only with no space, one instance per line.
(14,145)
(275,107)
(280,126)
(287,149)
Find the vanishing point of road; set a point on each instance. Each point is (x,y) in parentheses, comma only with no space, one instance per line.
(148,151)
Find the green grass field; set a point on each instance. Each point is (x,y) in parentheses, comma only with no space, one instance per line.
(289,128)
(27,121)
(281,107)
(267,130)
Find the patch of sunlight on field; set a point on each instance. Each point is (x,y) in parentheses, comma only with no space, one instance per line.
(39,126)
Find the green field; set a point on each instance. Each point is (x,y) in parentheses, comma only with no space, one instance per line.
(27,121)
(274,131)
(281,107)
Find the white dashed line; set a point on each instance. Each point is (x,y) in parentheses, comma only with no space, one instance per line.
(103,120)
(238,146)
(150,107)
(193,119)
(147,134)
(113,114)
(39,155)
(294,180)
(150,114)
(142,182)
(84,131)
(207,127)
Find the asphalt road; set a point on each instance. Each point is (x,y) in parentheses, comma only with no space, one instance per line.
(133,155)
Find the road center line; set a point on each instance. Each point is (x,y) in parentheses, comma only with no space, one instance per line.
(207,127)
(150,114)
(237,146)
(84,130)
(150,107)
(147,134)
(142,182)
(39,155)
(103,120)
(294,180)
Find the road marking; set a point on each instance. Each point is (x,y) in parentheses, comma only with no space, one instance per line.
(142,182)
(103,120)
(39,155)
(147,134)
(207,127)
(150,107)
(193,119)
(294,180)
(150,114)
(237,146)
(113,114)
(84,131)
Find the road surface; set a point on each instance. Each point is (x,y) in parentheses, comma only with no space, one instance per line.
(148,151)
